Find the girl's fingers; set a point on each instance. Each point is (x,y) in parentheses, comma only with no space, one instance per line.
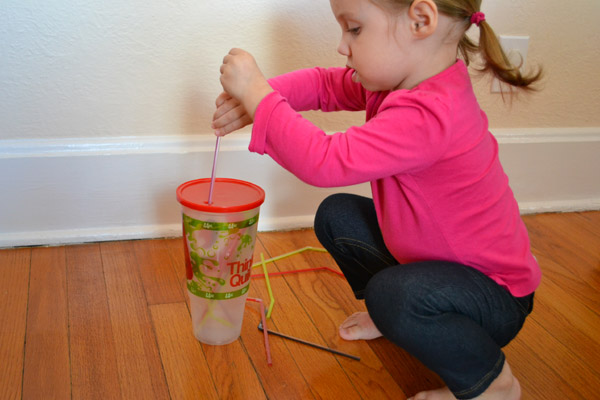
(234,125)
(222,98)
(224,108)
(224,118)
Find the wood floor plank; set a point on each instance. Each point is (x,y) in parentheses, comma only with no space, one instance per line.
(14,285)
(327,299)
(161,285)
(591,216)
(138,360)
(320,369)
(567,244)
(408,372)
(573,229)
(586,220)
(232,372)
(93,357)
(47,373)
(572,323)
(538,380)
(571,283)
(283,379)
(574,372)
(176,254)
(187,372)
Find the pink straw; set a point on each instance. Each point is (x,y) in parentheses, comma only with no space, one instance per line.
(214,167)
(264,323)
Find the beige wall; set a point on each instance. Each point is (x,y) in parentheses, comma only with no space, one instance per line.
(134,68)
(565,40)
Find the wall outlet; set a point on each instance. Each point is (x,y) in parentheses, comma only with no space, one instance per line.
(515,48)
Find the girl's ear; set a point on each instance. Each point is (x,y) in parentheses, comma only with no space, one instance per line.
(424,17)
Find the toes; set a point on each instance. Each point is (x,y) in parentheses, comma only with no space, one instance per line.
(349,322)
(351,333)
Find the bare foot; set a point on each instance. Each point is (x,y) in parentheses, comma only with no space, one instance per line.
(359,326)
(504,387)
(437,394)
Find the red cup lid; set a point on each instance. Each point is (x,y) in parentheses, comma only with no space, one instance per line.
(229,195)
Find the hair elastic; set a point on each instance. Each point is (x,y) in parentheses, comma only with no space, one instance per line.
(477,18)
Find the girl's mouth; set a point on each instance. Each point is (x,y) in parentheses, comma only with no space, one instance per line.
(354,74)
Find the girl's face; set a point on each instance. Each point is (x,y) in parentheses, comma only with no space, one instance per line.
(375,43)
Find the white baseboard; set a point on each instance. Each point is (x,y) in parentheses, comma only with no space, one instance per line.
(74,236)
(63,191)
(540,207)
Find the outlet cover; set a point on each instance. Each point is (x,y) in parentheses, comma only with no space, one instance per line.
(515,48)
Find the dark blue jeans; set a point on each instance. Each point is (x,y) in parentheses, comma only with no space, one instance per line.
(451,317)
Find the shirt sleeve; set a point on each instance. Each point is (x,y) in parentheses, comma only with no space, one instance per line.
(405,136)
(323,89)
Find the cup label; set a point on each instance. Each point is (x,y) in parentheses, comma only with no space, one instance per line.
(219,257)
(195,289)
(218,226)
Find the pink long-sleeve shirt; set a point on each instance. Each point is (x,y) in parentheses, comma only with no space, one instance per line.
(439,190)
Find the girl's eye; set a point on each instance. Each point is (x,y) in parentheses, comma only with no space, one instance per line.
(354,31)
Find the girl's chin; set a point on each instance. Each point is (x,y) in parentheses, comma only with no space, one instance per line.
(368,85)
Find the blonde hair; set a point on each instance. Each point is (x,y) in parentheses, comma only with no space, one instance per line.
(494,59)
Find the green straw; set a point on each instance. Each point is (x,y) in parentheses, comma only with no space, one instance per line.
(264,263)
(291,253)
(271,298)
(209,314)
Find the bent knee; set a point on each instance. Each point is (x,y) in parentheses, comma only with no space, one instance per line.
(333,213)
(396,289)
(323,217)
(330,206)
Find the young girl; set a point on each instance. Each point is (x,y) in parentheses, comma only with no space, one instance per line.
(440,253)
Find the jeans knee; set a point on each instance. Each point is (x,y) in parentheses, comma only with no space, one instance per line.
(328,207)
(392,291)
(373,293)
(326,213)
(377,296)
(377,301)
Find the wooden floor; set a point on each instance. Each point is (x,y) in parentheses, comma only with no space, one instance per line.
(110,321)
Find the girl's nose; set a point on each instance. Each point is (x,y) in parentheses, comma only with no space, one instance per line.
(343,48)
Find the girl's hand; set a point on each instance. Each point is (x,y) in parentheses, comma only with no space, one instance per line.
(242,79)
(230,115)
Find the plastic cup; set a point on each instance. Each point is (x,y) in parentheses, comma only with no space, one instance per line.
(218,241)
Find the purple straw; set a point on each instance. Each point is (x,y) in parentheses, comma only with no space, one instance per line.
(214,167)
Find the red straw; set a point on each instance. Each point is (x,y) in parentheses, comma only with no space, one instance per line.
(297,271)
(264,322)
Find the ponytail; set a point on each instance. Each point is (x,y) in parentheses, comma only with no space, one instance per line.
(497,62)
(493,56)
